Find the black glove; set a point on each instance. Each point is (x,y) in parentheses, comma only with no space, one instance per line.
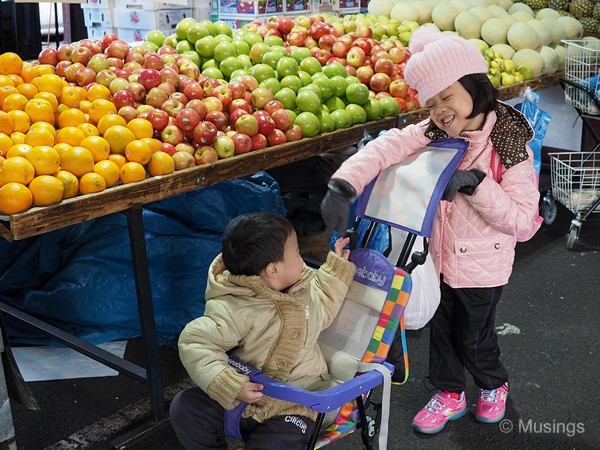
(464,181)
(335,205)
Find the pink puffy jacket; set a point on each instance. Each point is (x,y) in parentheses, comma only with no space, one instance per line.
(474,237)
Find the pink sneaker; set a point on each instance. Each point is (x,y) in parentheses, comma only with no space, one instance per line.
(492,404)
(441,408)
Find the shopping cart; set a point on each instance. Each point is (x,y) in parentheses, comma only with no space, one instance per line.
(575,176)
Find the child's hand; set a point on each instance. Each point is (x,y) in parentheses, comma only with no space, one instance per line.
(250,393)
(339,247)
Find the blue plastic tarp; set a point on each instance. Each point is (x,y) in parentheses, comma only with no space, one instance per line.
(80,278)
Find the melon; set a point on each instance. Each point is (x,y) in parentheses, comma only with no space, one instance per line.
(497,10)
(443,15)
(482,12)
(547,13)
(493,31)
(520,7)
(551,60)
(543,32)
(558,32)
(461,5)
(380,7)
(505,50)
(404,11)
(530,58)
(424,7)
(491,2)
(520,36)
(467,24)
(572,26)
(560,52)
(505,4)
(508,19)
(522,16)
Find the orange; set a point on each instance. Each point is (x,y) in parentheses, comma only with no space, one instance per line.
(131,172)
(161,163)
(118,137)
(59,110)
(43,126)
(88,129)
(118,159)
(16,79)
(61,147)
(19,150)
(15,198)
(10,63)
(154,144)
(138,151)
(98,91)
(6,123)
(40,110)
(29,72)
(50,82)
(91,182)
(85,106)
(99,147)
(5,144)
(16,169)
(70,183)
(45,160)
(39,136)
(142,128)
(77,160)
(70,135)
(17,137)
(46,190)
(70,96)
(21,120)
(101,107)
(14,101)
(108,121)
(71,117)
(6,81)
(109,171)
(45,68)
(5,91)
(50,97)
(27,89)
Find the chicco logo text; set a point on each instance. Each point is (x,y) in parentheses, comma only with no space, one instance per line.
(371,276)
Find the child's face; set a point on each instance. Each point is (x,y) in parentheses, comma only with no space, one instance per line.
(290,268)
(451,108)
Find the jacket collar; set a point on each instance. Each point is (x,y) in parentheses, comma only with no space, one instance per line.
(506,127)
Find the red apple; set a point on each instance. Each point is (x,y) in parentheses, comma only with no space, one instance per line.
(172,106)
(48,56)
(282,118)
(149,78)
(168,148)
(218,118)
(272,106)
(197,105)
(158,118)
(205,154)
(61,66)
(266,125)
(224,94)
(156,97)
(237,89)
(356,57)
(85,76)
(172,134)
(183,160)
(293,133)
(380,82)
(340,49)
(276,138)
(205,133)
(64,52)
(398,88)
(239,103)
(185,147)
(117,48)
(122,98)
(213,104)
(384,65)
(153,61)
(363,43)
(128,113)
(107,39)
(247,124)
(235,115)
(138,91)
(187,119)
(326,41)
(321,55)
(242,142)
(81,55)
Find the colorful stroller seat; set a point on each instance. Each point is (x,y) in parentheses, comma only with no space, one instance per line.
(357,343)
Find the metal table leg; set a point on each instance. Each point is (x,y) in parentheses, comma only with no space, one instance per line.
(7,429)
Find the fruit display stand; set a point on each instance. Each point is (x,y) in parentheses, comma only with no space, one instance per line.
(130,199)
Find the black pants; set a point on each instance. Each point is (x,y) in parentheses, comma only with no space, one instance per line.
(198,423)
(463,336)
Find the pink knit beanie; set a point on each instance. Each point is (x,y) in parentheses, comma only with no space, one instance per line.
(438,60)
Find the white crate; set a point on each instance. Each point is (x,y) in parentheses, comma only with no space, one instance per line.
(96,32)
(132,35)
(201,12)
(100,4)
(97,17)
(163,20)
(154,6)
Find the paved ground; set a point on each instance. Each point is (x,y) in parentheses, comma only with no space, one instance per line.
(550,342)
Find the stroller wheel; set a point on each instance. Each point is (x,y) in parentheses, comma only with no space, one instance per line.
(572,236)
(548,211)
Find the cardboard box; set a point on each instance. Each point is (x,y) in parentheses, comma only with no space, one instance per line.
(132,35)
(99,4)
(297,6)
(345,5)
(154,6)
(164,20)
(97,17)
(96,32)
(201,12)
(251,7)
(237,21)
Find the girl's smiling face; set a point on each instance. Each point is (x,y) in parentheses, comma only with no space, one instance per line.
(450,109)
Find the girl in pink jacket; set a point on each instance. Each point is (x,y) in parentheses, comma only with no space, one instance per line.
(477,222)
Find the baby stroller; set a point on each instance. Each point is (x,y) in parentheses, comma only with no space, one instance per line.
(357,343)
(576,175)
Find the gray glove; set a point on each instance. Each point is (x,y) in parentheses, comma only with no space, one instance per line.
(336,204)
(464,181)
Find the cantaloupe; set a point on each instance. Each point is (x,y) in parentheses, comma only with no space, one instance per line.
(404,11)
(505,4)
(543,32)
(572,26)
(547,13)
(380,7)
(505,50)
(424,7)
(530,58)
(508,20)
(467,24)
(520,36)
(522,16)
(558,32)
(551,60)
(560,52)
(497,10)
(461,5)
(494,31)
(482,12)
(520,7)
(443,15)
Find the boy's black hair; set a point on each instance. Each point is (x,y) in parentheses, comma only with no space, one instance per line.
(482,91)
(254,240)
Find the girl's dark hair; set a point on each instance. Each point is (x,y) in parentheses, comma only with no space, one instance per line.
(482,91)
(254,240)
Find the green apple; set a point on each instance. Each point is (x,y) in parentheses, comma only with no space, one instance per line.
(310,65)
(350,79)
(273,40)
(334,69)
(171,40)
(223,28)
(245,60)
(309,123)
(287,66)
(272,84)
(389,106)
(183,26)
(252,37)
(209,26)
(150,46)
(241,47)
(327,123)
(339,85)
(341,118)
(257,52)
(312,87)
(230,65)
(324,85)
(213,72)
(287,97)
(357,112)
(155,36)
(261,72)
(304,77)
(183,46)
(223,50)
(209,63)
(373,109)
(223,37)
(291,81)
(193,55)
(357,93)
(271,59)
(308,101)
(335,103)
(300,53)
(205,46)
(196,32)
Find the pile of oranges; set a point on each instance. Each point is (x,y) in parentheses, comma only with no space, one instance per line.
(58,141)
